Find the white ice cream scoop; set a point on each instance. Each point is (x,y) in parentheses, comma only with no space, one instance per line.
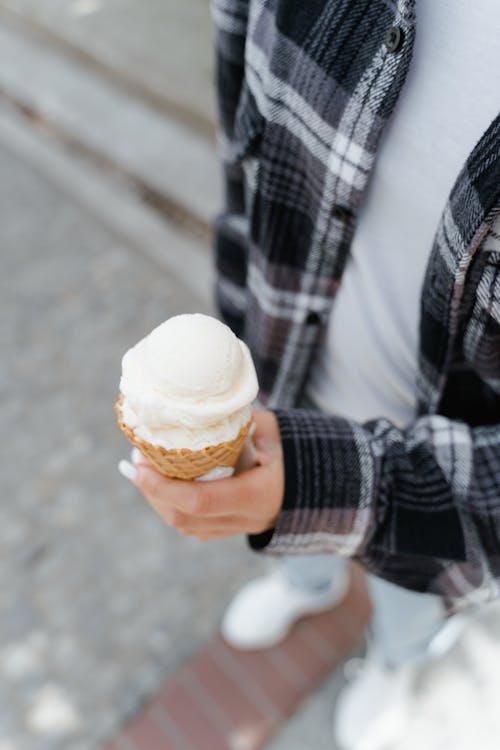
(188,384)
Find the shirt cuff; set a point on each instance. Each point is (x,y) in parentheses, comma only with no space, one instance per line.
(329,485)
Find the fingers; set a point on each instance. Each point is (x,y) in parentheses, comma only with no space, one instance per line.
(248,502)
(162,492)
(139,458)
(247,458)
(153,486)
(189,506)
(219,497)
(193,498)
(128,469)
(267,438)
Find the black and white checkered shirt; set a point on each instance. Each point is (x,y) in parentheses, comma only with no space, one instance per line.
(305,88)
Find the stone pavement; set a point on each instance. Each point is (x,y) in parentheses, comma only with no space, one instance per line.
(167,162)
(99,602)
(161,49)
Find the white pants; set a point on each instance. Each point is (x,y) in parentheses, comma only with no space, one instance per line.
(403,622)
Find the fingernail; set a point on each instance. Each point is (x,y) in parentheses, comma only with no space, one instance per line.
(136,456)
(127,470)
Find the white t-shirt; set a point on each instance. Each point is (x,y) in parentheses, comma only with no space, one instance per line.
(368,364)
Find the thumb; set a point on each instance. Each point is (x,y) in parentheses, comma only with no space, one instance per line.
(267,437)
(248,456)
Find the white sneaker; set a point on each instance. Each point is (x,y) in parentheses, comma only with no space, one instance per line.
(264,610)
(372,711)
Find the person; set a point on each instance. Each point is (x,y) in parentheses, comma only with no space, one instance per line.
(359,257)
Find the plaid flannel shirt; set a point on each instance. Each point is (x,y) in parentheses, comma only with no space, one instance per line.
(305,89)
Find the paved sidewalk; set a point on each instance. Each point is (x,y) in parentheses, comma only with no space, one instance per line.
(167,162)
(161,49)
(99,601)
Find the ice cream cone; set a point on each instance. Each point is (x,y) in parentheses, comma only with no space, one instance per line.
(182,463)
(186,394)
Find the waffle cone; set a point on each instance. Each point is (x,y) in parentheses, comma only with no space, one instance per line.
(183,463)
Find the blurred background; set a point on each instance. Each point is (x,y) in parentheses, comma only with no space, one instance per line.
(109,183)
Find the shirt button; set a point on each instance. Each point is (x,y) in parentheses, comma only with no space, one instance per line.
(312,318)
(394,39)
(340,213)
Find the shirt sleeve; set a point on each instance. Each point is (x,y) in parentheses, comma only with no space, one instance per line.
(419,507)
(231,225)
